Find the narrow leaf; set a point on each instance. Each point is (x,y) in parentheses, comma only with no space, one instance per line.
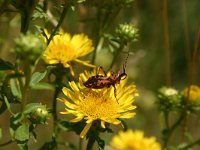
(15,89)
(43,86)
(37,77)
(8,105)
(5,65)
(30,107)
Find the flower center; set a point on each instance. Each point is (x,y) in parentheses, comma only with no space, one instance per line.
(98,105)
(135,144)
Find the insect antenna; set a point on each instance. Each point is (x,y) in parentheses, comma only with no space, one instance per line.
(124,65)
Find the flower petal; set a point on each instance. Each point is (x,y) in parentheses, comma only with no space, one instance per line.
(85,130)
(86,63)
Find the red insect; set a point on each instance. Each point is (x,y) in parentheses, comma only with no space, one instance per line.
(101,81)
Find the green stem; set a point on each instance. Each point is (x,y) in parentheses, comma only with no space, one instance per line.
(116,55)
(58,82)
(166,117)
(98,30)
(80,144)
(172,129)
(54,104)
(55,117)
(91,141)
(6,143)
(26,85)
(104,20)
(98,37)
(26,13)
(64,12)
(190,145)
(166,47)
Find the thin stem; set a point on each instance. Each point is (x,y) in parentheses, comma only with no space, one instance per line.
(166,44)
(54,104)
(90,144)
(96,41)
(26,14)
(116,55)
(26,85)
(58,81)
(55,129)
(62,17)
(101,25)
(172,129)
(166,118)
(190,145)
(24,92)
(6,143)
(194,54)
(95,49)
(186,32)
(80,144)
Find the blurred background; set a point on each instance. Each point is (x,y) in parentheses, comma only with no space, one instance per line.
(161,56)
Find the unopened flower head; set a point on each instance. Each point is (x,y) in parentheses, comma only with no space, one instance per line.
(134,140)
(65,48)
(192,96)
(40,115)
(169,99)
(29,47)
(127,33)
(98,104)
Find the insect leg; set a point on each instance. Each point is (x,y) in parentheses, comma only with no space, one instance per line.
(101,69)
(115,93)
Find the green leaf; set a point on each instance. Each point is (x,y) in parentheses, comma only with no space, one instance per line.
(5,65)
(101,143)
(23,145)
(39,13)
(8,105)
(188,136)
(37,77)
(43,86)
(22,132)
(15,88)
(30,107)
(15,123)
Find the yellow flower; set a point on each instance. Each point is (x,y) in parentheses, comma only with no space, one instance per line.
(193,94)
(134,140)
(98,104)
(63,49)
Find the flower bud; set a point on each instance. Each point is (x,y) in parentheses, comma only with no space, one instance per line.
(169,99)
(126,33)
(29,47)
(39,115)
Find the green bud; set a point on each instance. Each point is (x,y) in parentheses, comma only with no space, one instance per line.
(29,47)
(127,33)
(39,115)
(169,99)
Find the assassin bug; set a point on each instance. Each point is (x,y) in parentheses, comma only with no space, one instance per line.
(101,81)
